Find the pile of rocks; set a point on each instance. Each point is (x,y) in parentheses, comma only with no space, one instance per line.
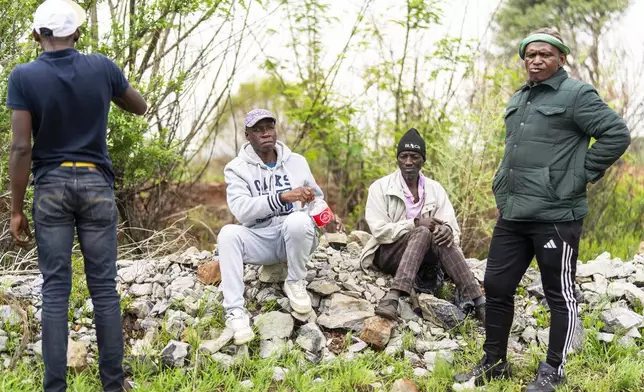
(168,296)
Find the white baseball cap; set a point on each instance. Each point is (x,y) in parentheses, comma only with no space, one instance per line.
(62,17)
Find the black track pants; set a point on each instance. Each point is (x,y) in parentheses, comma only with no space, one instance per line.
(513,246)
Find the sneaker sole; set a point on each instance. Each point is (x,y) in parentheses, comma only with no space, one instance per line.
(243,336)
(301,309)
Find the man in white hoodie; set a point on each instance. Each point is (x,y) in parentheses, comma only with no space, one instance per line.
(268,189)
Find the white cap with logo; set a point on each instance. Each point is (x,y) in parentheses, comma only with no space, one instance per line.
(62,17)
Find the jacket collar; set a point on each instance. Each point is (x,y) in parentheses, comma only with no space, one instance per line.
(395,185)
(554,81)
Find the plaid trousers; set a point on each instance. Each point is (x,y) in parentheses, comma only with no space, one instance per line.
(404,257)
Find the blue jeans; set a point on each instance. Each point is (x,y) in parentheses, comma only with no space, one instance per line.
(80,198)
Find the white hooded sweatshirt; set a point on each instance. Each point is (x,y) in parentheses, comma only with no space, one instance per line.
(252,188)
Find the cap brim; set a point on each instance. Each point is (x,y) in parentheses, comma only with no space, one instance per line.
(260,119)
(81,14)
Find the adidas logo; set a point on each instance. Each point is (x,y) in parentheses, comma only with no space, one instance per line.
(550,245)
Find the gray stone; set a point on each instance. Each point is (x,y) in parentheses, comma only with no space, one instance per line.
(431,357)
(323,287)
(361,237)
(36,348)
(213,346)
(247,384)
(310,338)
(279,374)
(357,347)
(309,317)
(601,266)
(138,270)
(605,337)
(223,359)
(621,319)
(273,273)
(543,336)
(415,327)
(338,239)
(395,346)
(529,335)
(420,372)
(406,311)
(376,291)
(174,354)
(354,250)
(9,316)
(141,308)
(345,312)
(412,357)
(3,343)
(536,289)
(140,290)
(271,348)
(440,312)
(274,324)
(638,278)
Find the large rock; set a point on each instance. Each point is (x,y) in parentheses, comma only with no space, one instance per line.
(175,353)
(274,325)
(377,331)
(536,289)
(323,287)
(76,356)
(209,273)
(9,316)
(342,311)
(140,290)
(310,338)
(3,343)
(273,273)
(138,271)
(621,319)
(271,348)
(440,311)
(336,240)
(632,293)
(603,265)
(359,236)
(213,346)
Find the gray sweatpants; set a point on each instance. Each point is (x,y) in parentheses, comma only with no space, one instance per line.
(293,241)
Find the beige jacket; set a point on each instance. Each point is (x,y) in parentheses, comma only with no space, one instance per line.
(386,213)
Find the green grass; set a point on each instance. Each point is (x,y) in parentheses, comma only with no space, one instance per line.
(599,367)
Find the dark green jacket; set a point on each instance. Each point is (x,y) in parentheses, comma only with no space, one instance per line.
(547,163)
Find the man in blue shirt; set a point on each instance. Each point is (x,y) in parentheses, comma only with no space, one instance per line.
(63,98)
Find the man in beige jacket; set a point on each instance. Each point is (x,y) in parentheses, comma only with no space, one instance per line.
(413,224)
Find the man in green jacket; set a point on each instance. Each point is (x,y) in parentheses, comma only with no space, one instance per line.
(540,191)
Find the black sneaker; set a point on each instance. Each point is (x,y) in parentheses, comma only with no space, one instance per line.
(484,372)
(547,379)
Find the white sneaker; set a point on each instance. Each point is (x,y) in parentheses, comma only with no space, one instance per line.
(238,321)
(298,297)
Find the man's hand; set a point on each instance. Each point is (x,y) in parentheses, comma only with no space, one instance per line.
(443,235)
(301,194)
(429,223)
(335,226)
(339,226)
(20,226)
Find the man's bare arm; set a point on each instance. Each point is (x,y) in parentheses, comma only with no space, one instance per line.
(131,101)
(20,159)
